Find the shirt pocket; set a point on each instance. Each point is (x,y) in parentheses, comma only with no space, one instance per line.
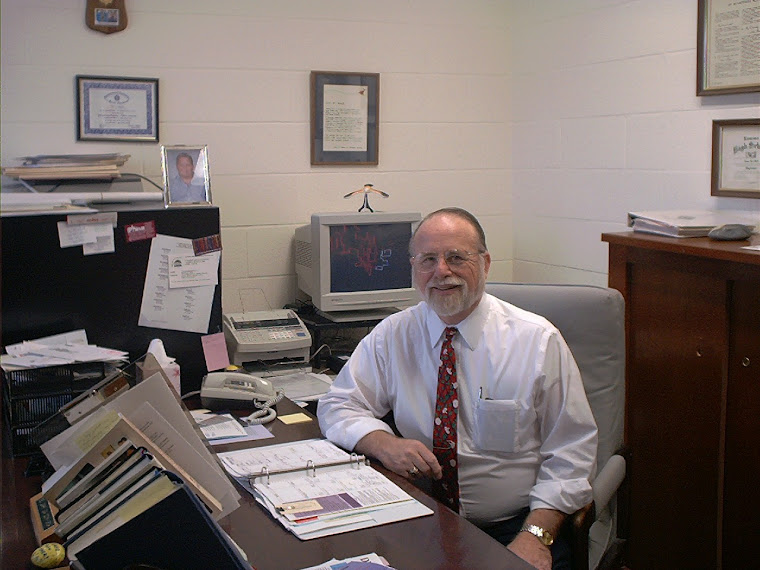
(496,424)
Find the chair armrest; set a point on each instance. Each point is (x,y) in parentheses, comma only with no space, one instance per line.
(604,488)
(580,522)
(608,480)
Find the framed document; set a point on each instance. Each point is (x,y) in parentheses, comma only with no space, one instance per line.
(344,117)
(736,158)
(727,47)
(117,109)
(186,179)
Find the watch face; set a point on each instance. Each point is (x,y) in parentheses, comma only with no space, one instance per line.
(545,537)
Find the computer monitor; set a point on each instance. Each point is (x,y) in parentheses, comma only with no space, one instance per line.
(356,265)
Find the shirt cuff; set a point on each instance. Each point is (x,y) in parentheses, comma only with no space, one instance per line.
(564,496)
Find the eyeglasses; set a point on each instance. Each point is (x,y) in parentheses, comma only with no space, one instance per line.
(454,258)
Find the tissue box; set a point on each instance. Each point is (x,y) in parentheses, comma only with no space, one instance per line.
(148,369)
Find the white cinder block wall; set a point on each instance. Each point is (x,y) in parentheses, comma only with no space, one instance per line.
(605,120)
(234,75)
(549,120)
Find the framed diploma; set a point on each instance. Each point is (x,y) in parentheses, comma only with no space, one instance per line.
(727,47)
(117,109)
(344,117)
(736,158)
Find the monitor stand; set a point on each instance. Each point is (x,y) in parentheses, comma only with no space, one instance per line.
(354,316)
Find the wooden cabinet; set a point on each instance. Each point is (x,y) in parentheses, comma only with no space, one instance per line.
(692,398)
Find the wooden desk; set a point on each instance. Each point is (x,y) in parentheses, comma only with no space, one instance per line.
(692,397)
(441,541)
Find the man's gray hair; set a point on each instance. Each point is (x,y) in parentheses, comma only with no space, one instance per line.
(459,213)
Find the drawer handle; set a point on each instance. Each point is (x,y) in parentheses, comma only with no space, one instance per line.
(745,361)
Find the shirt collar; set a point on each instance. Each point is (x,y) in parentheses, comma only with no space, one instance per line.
(469,329)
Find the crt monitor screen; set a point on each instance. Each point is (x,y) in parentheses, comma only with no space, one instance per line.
(369,257)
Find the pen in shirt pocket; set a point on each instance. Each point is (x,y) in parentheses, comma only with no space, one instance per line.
(480,394)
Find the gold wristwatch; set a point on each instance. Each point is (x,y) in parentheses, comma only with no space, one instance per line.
(544,536)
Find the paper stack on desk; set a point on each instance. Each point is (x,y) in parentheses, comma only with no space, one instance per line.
(315,489)
(686,223)
(57,350)
(67,166)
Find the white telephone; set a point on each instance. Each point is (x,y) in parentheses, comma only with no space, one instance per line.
(230,389)
(235,390)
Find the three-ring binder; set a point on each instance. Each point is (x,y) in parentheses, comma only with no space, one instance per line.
(355,461)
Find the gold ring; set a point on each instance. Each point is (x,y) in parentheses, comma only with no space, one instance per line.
(413,472)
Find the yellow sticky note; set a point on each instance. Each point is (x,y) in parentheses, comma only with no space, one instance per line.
(296,418)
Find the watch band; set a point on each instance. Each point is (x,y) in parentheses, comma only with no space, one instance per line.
(543,535)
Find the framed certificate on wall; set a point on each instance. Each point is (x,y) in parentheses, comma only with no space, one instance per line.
(344,117)
(117,109)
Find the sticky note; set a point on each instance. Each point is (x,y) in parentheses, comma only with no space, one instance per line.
(296,418)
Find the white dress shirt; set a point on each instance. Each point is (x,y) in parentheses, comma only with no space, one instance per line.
(526,435)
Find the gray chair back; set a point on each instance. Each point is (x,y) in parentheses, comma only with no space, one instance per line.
(592,321)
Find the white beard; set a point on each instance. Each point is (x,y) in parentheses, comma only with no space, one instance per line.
(453,304)
(448,305)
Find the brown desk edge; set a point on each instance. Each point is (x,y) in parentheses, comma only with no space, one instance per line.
(441,541)
(702,246)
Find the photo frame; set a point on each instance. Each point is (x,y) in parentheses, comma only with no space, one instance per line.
(736,158)
(186,178)
(117,108)
(344,118)
(723,67)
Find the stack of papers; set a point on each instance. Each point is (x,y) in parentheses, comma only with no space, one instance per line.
(369,561)
(315,489)
(302,386)
(68,166)
(219,429)
(686,223)
(58,350)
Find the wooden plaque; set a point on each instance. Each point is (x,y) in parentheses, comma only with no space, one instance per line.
(107,16)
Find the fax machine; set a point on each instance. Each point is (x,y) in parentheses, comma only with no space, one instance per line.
(267,343)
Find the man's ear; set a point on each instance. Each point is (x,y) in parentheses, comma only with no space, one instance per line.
(486,263)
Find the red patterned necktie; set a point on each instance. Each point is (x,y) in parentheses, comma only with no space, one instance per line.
(445,425)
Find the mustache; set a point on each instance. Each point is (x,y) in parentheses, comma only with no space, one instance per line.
(447,282)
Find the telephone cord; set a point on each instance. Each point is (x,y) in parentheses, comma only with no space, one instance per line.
(265,413)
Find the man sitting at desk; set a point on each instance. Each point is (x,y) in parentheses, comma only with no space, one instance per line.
(487,397)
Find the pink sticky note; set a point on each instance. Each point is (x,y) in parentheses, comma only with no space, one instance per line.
(215,351)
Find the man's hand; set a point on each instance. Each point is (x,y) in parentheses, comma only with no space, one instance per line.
(529,547)
(407,457)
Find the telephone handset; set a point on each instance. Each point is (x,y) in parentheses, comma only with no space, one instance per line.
(235,390)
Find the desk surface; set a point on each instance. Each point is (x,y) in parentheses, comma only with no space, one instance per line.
(441,541)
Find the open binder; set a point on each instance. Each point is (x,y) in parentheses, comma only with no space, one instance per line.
(315,489)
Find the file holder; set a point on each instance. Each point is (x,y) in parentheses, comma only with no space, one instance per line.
(189,538)
(33,397)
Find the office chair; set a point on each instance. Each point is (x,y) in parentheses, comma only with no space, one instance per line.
(592,322)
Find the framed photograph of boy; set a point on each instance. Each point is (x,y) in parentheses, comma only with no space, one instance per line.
(186,179)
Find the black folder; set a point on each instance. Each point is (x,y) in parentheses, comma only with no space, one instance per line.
(175,533)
